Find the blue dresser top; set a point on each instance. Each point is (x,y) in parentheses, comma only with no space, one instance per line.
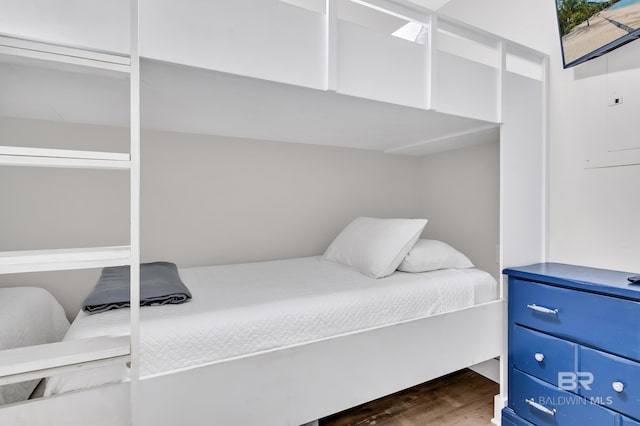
(602,281)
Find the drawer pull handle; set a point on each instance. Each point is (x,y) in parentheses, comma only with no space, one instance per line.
(542,309)
(540,407)
(617,386)
(539,357)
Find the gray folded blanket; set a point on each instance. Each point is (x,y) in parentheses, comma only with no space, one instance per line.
(160,284)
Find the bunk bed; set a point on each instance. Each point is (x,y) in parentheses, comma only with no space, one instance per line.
(243,309)
(448,86)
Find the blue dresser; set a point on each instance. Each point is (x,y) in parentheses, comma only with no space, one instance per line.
(574,347)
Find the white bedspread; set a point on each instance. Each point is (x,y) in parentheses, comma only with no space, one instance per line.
(242,309)
(28,316)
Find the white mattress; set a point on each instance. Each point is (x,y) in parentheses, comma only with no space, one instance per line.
(247,308)
(28,316)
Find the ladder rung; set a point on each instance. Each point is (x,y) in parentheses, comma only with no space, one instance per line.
(12,262)
(40,157)
(73,368)
(50,52)
(32,362)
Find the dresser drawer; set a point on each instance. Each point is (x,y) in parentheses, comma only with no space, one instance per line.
(609,371)
(541,355)
(509,418)
(593,319)
(549,405)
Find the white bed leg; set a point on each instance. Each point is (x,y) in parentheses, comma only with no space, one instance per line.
(499,402)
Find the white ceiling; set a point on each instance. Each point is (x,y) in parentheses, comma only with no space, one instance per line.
(185,99)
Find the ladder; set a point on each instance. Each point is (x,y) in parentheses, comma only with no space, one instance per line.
(34,362)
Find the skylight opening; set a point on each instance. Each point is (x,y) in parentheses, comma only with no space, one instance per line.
(413,31)
(393,22)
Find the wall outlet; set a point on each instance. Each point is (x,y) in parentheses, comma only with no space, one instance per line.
(614,100)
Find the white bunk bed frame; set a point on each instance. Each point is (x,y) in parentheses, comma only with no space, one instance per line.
(304,382)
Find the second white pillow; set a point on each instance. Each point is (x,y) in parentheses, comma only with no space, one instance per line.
(429,255)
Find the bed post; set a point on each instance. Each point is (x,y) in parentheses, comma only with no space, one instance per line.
(135,210)
(523,172)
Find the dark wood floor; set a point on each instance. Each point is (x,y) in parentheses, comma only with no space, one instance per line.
(462,398)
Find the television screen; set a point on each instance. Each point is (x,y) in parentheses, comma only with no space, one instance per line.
(591,28)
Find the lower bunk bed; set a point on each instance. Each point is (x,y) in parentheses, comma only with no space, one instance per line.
(281,343)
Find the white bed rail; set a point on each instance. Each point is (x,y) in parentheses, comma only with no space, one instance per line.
(33,362)
(308,381)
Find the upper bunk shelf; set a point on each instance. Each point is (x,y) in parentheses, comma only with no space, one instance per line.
(385,75)
(187,99)
(39,157)
(13,262)
(45,54)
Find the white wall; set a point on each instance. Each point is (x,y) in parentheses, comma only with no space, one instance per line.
(592,212)
(213,200)
(461,200)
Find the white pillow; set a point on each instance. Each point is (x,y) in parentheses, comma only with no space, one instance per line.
(374,247)
(429,255)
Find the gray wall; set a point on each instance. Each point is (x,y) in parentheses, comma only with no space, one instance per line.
(213,200)
(209,200)
(461,199)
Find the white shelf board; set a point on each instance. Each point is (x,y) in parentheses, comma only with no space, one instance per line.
(480,135)
(12,262)
(48,52)
(72,163)
(37,157)
(30,362)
